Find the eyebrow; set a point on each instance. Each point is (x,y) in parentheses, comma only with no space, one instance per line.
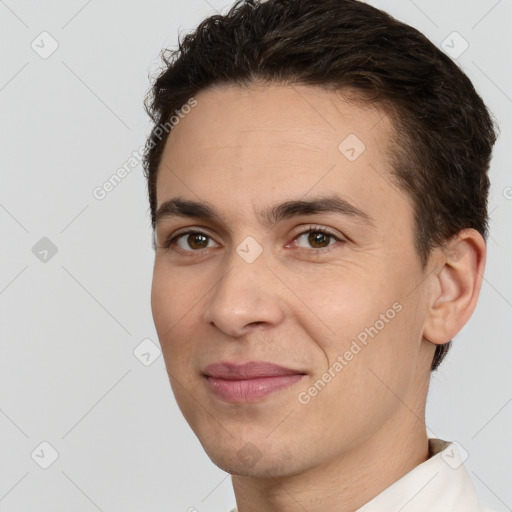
(178,207)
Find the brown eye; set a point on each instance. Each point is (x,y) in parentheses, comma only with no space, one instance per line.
(318,238)
(190,241)
(197,241)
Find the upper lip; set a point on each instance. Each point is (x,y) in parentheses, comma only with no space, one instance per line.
(249,370)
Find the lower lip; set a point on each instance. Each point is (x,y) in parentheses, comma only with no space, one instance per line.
(250,390)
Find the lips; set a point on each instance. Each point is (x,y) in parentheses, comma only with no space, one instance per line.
(250,370)
(248,382)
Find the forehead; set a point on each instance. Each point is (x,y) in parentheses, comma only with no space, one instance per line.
(271,143)
(308,117)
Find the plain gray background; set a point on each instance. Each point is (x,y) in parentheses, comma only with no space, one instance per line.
(72,319)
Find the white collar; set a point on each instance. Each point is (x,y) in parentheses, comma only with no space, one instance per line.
(440,484)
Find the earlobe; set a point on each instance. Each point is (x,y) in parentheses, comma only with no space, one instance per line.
(457,285)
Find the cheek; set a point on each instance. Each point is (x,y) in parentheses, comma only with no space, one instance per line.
(365,321)
(342,304)
(172,296)
(173,305)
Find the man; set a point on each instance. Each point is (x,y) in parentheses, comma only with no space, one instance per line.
(317,178)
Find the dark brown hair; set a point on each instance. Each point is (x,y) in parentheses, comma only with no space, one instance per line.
(443,131)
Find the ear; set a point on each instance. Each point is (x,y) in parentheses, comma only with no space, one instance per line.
(457,285)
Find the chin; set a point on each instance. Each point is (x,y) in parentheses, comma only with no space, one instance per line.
(253,459)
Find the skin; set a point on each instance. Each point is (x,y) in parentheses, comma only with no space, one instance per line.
(300,305)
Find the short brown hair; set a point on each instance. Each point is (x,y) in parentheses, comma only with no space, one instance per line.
(444,132)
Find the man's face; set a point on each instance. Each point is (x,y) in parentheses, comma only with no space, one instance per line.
(240,289)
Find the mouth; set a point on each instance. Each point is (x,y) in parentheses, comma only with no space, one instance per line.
(249,382)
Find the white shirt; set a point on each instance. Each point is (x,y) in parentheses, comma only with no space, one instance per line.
(440,484)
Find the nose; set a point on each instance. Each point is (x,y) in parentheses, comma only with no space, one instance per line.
(247,296)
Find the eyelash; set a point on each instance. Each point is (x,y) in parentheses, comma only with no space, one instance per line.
(311,229)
